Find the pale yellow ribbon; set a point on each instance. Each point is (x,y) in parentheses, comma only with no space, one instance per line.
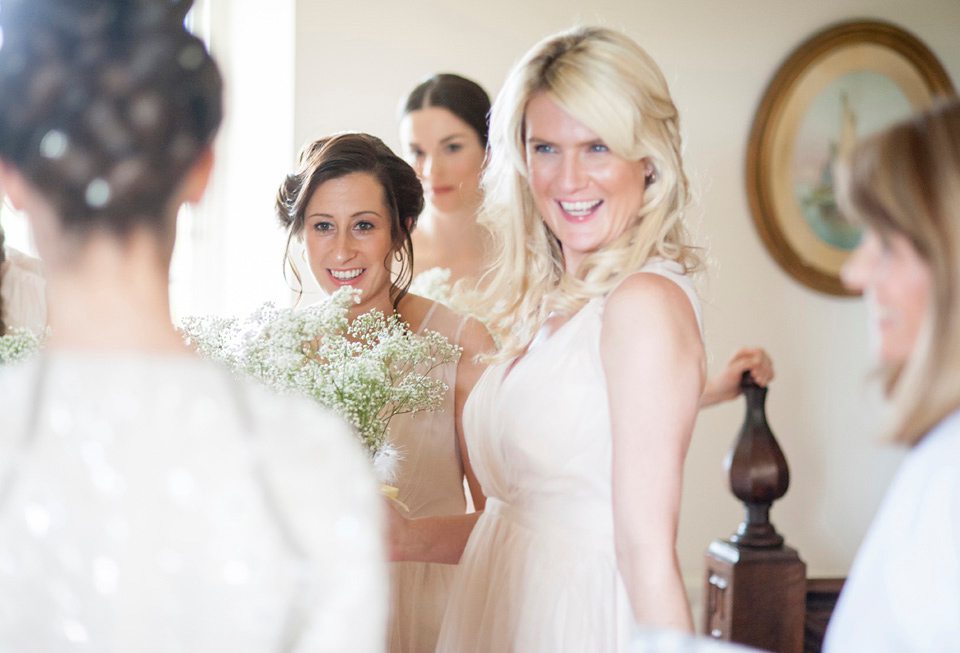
(392,493)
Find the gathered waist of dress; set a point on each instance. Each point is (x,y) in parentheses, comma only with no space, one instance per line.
(583,528)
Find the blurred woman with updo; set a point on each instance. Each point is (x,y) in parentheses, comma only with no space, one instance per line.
(443,131)
(149,501)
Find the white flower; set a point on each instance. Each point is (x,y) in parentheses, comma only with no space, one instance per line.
(17,344)
(433,284)
(368,370)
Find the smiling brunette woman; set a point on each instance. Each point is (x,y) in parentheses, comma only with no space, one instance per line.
(353,203)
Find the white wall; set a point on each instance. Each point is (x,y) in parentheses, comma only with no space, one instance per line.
(356,59)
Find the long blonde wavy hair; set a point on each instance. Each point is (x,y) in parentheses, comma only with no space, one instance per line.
(606,81)
(906,180)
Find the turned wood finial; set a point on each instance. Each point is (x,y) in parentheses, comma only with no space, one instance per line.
(758,471)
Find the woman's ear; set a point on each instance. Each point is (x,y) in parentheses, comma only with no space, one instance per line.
(198,177)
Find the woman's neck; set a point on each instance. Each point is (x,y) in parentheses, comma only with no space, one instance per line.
(450,240)
(453,225)
(110,293)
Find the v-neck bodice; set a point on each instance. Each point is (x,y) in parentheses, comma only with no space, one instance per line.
(543,395)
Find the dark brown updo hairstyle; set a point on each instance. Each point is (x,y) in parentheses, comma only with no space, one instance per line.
(338,156)
(460,96)
(104,106)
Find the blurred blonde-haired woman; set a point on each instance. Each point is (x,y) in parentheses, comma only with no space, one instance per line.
(903,185)
(579,429)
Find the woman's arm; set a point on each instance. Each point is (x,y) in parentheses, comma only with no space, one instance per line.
(428,539)
(726,385)
(653,360)
(475,339)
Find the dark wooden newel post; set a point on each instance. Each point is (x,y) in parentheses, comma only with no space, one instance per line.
(755,585)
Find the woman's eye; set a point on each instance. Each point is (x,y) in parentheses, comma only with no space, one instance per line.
(599,147)
(454,147)
(323,226)
(542,148)
(364,225)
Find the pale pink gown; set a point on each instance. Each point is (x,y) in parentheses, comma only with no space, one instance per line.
(430,481)
(539,573)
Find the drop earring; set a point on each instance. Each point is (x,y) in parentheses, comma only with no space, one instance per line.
(650,178)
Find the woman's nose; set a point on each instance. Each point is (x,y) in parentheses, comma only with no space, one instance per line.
(419,164)
(856,270)
(572,173)
(426,166)
(433,167)
(344,248)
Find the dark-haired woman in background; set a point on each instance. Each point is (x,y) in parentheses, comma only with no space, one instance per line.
(148,500)
(443,131)
(353,203)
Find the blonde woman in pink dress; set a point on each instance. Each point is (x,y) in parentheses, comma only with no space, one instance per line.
(444,135)
(579,428)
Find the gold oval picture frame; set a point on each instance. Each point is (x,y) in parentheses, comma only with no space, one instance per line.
(841,84)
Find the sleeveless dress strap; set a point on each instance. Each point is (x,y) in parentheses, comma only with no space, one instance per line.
(460,326)
(673,271)
(426,318)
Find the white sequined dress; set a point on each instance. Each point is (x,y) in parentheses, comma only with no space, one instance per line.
(152,503)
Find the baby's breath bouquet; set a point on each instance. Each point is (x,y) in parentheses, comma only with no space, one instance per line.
(17,344)
(368,370)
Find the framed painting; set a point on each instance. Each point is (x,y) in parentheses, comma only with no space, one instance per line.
(840,85)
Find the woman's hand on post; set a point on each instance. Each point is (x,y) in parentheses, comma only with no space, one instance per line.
(726,384)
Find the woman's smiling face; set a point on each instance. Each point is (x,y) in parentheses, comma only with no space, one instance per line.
(348,240)
(896,285)
(587,195)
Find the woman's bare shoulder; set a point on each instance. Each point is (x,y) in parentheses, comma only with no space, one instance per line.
(649,306)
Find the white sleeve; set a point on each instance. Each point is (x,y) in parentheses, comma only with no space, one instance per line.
(326,491)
